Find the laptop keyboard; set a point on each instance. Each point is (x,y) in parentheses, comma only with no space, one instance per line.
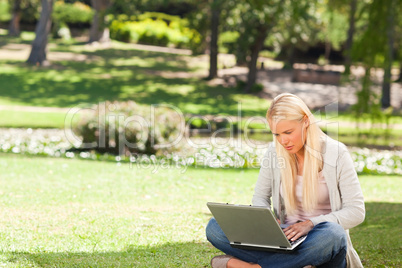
(297,240)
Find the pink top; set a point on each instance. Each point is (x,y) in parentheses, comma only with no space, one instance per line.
(323,205)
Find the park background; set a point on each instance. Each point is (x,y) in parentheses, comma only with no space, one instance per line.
(204,71)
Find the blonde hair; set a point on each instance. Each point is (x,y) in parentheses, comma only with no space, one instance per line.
(287,106)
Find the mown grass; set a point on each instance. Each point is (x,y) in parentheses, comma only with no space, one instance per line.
(31,119)
(119,73)
(77,213)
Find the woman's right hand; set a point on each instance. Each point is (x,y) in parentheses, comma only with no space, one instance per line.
(299,229)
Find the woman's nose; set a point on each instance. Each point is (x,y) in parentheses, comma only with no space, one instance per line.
(284,140)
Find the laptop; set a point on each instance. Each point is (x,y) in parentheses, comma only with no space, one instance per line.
(252,227)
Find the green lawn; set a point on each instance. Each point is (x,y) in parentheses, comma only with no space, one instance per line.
(31,119)
(119,73)
(77,213)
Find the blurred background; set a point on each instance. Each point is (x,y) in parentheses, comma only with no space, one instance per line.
(206,58)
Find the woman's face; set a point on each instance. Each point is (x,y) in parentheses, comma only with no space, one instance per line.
(291,134)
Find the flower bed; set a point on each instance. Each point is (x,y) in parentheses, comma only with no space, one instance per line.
(222,153)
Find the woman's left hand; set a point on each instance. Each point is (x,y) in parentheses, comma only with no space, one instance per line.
(294,231)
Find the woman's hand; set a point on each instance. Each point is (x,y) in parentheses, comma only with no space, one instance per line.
(297,230)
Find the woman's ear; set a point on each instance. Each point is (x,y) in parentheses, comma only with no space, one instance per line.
(306,121)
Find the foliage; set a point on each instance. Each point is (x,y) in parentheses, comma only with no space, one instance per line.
(4,11)
(124,127)
(227,41)
(154,29)
(70,14)
(134,7)
(30,10)
(333,24)
(297,27)
(370,48)
(67,15)
(367,101)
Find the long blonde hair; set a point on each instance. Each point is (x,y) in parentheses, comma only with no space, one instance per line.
(287,106)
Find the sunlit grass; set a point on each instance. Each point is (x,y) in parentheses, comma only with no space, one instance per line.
(77,213)
(121,73)
(19,119)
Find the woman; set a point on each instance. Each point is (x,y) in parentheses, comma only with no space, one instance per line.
(314,188)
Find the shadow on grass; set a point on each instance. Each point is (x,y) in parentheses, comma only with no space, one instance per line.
(5,40)
(378,238)
(167,255)
(73,83)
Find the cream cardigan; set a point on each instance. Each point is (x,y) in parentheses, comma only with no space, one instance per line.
(345,194)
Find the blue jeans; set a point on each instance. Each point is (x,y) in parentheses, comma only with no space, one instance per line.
(325,246)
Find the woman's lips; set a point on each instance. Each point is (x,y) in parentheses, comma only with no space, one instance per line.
(289,148)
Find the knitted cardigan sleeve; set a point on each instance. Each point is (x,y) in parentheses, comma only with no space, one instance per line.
(347,202)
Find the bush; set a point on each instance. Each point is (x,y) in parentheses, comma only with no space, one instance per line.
(70,14)
(66,15)
(154,29)
(227,41)
(122,128)
(5,14)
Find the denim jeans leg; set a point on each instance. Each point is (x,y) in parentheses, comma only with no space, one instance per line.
(331,244)
(218,239)
(325,246)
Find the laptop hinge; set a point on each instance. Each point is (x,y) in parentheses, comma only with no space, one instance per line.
(237,243)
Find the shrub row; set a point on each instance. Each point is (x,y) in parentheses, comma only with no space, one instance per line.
(66,15)
(76,13)
(154,29)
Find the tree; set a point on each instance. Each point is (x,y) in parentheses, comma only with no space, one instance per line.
(376,45)
(400,73)
(297,28)
(351,32)
(38,51)
(213,45)
(255,49)
(254,20)
(99,32)
(389,55)
(14,27)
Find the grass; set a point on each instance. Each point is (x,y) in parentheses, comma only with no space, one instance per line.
(77,213)
(31,119)
(362,137)
(119,73)
(123,73)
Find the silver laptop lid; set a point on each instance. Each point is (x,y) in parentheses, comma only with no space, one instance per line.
(249,225)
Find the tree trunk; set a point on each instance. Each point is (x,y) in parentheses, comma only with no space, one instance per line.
(327,52)
(389,57)
(213,56)
(400,73)
(351,32)
(14,27)
(99,32)
(290,57)
(255,51)
(38,52)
